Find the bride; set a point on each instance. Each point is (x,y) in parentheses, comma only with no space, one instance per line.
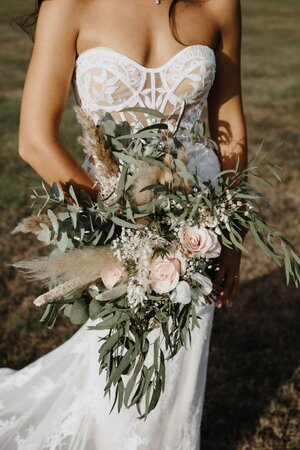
(167,55)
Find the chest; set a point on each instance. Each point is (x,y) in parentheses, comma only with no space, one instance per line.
(143,30)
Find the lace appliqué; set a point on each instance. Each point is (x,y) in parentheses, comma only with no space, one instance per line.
(105,80)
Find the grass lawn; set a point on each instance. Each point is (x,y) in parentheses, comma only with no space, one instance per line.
(253,382)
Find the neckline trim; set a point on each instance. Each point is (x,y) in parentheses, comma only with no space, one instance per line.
(145,68)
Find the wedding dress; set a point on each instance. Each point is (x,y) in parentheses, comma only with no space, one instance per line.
(57,401)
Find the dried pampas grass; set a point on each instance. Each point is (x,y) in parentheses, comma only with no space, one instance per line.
(167,177)
(147,175)
(150,174)
(73,270)
(32,224)
(93,141)
(66,266)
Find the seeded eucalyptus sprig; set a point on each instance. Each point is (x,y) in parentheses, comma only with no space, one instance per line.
(268,237)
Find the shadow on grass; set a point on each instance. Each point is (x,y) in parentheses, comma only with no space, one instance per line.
(254,350)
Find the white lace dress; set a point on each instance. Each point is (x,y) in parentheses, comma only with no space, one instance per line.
(57,401)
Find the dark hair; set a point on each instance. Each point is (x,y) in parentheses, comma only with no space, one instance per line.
(172,19)
(28,22)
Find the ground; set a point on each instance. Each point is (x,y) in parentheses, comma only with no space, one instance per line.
(253,380)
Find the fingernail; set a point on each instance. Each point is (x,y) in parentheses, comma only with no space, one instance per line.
(229,304)
(219,304)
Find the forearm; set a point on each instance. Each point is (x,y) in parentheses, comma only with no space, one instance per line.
(231,136)
(228,129)
(54,163)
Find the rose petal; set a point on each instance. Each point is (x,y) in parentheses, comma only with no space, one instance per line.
(215,250)
(179,261)
(163,276)
(183,293)
(205,282)
(199,241)
(111,277)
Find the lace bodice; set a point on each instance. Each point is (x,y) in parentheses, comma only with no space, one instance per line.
(106,80)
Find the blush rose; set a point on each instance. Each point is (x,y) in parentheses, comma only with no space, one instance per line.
(179,261)
(200,241)
(164,276)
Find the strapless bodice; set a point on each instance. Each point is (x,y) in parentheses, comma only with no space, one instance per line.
(106,80)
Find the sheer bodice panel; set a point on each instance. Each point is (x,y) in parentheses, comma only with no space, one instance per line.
(105,80)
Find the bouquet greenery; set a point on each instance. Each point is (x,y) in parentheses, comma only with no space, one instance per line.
(142,256)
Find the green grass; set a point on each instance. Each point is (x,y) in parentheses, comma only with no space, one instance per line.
(253,382)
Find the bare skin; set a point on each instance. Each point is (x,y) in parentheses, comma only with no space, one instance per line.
(66,28)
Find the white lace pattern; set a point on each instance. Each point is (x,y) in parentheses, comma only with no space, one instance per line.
(108,81)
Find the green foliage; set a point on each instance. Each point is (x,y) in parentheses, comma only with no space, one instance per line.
(128,334)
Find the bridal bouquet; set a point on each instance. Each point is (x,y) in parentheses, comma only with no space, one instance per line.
(141,257)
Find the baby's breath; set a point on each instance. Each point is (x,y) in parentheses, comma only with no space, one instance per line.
(135,249)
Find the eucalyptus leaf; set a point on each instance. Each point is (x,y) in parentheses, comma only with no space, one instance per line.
(149,111)
(124,223)
(79,312)
(95,308)
(53,219)
(121,367)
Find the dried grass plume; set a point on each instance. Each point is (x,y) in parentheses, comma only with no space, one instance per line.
(32,224)
(71,271)
(93,141)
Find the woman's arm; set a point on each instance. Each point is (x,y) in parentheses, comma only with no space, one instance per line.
(227,126)
(45,93)
(225,109)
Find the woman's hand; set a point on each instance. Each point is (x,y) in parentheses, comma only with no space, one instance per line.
(142,222)
(226,279)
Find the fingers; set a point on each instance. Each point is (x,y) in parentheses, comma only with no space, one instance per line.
(226,281)
(218,278)
(142,221)
(228,291)
(217,285)
(225,290)
(234,291)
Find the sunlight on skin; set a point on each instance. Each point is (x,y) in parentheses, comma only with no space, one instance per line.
(42,109)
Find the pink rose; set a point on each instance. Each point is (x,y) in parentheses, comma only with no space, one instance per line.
(179,262)
(163,276)
(200,241)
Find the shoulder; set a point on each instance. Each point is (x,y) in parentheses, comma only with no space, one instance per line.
(58,22)
(71,7)
(226,13)
(57,29)
(57,13)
